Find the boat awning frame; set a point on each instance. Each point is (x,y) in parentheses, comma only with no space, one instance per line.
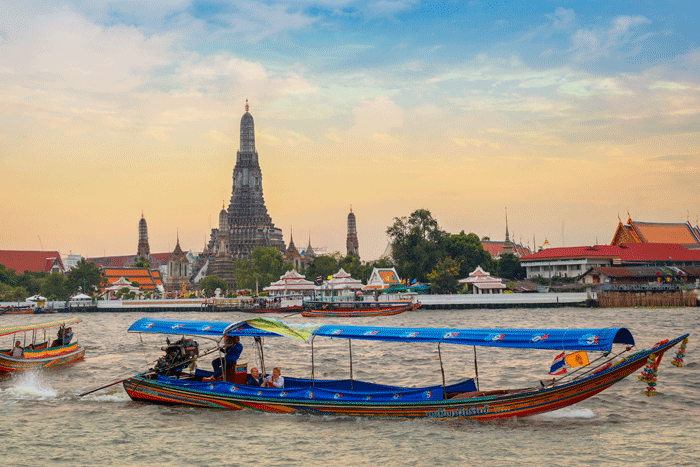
(33,327)
(594,339)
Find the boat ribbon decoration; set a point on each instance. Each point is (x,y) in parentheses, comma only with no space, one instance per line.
(680,354)
(599,339)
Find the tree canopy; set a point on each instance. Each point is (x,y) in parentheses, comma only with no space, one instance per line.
(87,275)
(210,283)
(265,266)
(417,244)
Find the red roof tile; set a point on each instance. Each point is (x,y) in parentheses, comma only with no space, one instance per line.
(627,252)
(33,261)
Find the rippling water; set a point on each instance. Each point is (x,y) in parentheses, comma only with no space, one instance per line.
(43,419)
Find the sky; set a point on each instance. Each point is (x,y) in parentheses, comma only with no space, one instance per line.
(566,115)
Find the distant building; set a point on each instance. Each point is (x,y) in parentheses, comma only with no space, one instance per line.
(143,250)
(481,282)
(341,286)
(32,261)
(309,254)
(682,233)
(574,261)
(220,263)
(149,280)
(249,224)
(293,256)
(640,278)
(381,279)
(71,261)
(498,248)
(292,283)
(178,270)
(156,260)
(353,246)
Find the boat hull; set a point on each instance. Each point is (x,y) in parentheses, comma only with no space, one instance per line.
(401,404)
(352,312)
(42,359)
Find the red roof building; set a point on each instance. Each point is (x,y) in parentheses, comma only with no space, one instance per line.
(148,279)
(156,259)
(495,248)
(32,261)
(574,261)
(682,233)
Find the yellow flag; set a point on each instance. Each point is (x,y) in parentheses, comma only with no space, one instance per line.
(330,277)
(579,358)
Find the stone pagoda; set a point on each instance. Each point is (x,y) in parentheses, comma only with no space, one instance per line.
(352,244)
(249,224)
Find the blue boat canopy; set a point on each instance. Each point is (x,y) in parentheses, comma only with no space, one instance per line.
(600,339)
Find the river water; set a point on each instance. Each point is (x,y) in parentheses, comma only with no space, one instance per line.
(43,421)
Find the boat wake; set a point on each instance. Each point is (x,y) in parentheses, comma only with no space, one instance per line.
(569,412)
(30,385)
(112,396)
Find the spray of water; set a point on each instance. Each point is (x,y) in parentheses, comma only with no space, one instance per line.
(30,385)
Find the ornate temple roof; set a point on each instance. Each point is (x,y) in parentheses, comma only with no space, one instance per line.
(682,233)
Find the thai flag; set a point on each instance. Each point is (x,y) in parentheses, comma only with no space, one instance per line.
(319,278)
(558,365)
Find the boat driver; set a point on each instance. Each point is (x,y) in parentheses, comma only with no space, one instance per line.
(232,350)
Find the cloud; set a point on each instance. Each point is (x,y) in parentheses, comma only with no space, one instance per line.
(589,44)
(562,19)
(690,159)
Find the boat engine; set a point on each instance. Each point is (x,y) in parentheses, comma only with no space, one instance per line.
(177,355)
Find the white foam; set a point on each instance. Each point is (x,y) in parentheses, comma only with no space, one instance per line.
(30,385)
(570,412)
(113,396)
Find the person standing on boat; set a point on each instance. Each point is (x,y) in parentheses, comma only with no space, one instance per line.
(17,350)
(232,351)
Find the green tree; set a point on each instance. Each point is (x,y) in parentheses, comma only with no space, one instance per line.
(54,287)
(417,244)
(323,266)
(31,282)
(509,267)
(210,283)
(444,278)
(86,274)
(352,265)
(265,266)
(142,263)
(19,293)
(7,276)
(123,293)
(469,252)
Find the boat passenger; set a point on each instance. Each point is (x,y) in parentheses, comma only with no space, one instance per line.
(64,337)
(232,349)
(275,380)
(254,378)
(17,350)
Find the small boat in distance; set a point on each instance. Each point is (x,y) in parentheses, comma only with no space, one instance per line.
(349,309)
(349,397)
(42,350)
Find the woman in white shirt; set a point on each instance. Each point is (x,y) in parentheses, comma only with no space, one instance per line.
(276,380)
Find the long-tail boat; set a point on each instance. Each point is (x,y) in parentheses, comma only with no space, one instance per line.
(351,309)
(37,348)
(464,399)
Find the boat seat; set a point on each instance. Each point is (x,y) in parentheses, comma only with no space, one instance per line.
(238,374)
